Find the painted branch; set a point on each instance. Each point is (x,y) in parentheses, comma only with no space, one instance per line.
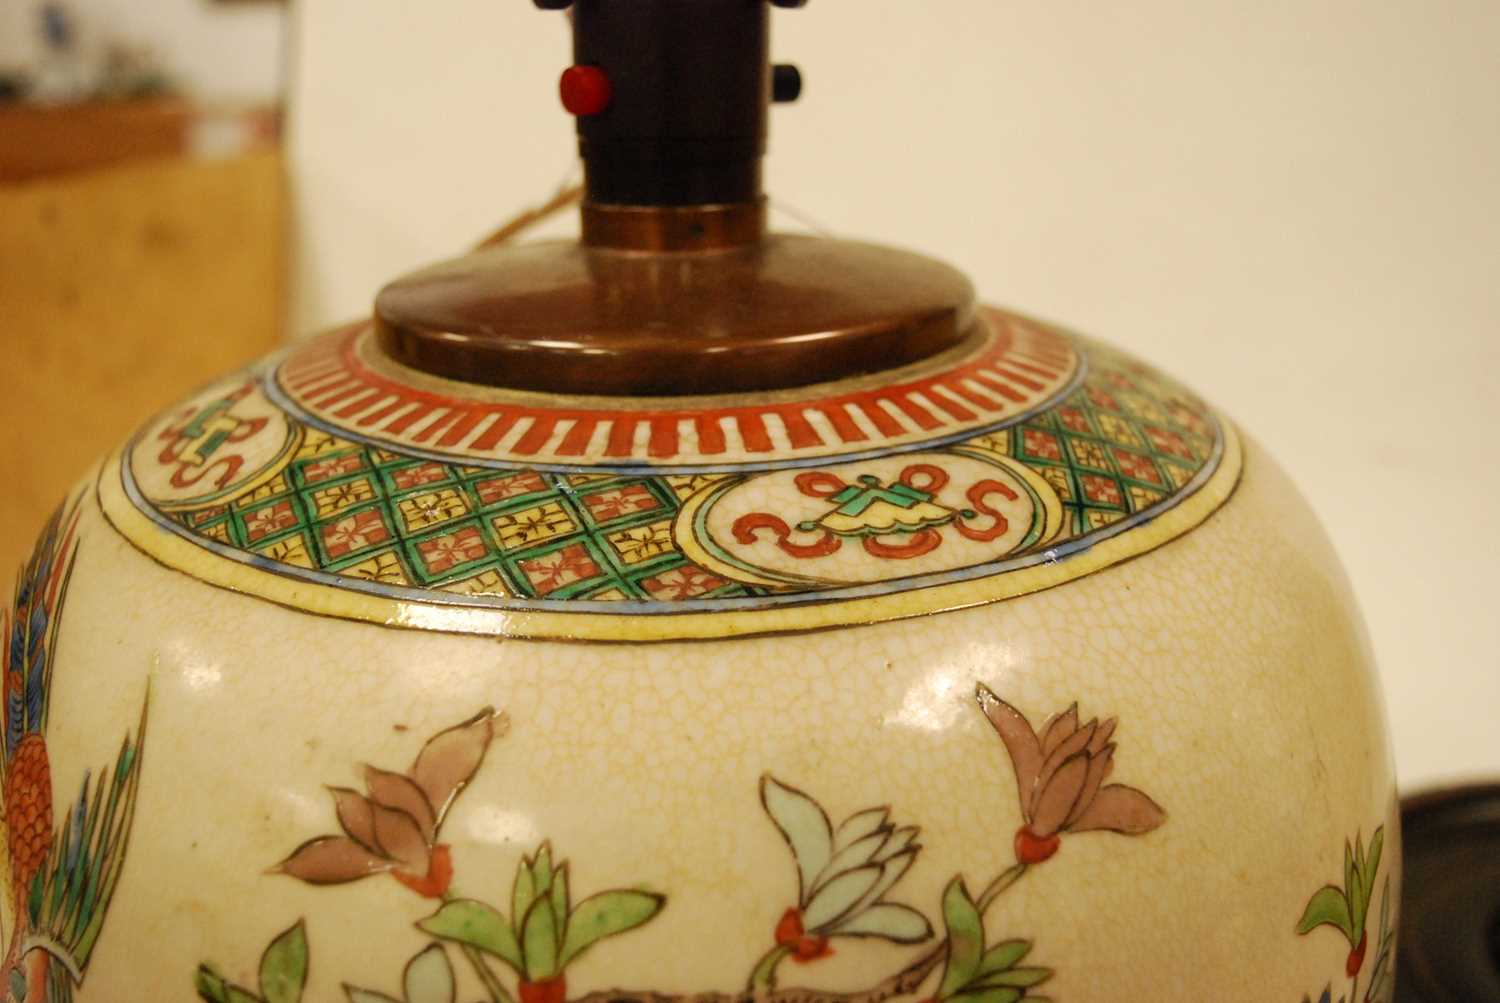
(903,983)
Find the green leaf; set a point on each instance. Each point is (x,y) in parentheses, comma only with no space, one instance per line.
(523,893)
(605,915)
(999,994)
(211,985)
(283,968)
(806,828)
(539,941)
(1377,973)
(965,938)
(1380,971)
(889,921)
(238,995)
(366,996)
(1385,909)
(1372,864)
(1021,978)
(477,925)
(1359,904)
(429,977)
(1328,906)
(541,869)
(559,894)
(37,899)
(1003,955)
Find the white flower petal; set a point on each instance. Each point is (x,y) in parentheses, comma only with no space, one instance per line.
(836,896)
(806,828)
(890,921)
(859,825)
(891,871)
(856,854)
(899,840)
(429,977)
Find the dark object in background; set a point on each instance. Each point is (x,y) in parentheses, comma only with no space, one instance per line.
(57,26)
(67,72)
(1449,946)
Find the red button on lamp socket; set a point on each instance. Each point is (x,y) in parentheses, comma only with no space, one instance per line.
(585,90)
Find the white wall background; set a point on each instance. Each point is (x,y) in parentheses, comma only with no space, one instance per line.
(1293,205)
(216,51)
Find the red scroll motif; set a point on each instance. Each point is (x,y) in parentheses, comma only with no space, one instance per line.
(921,543)
(819,484)
(977,495)
(925,477)
(196,444)
(896,520)
(746,527)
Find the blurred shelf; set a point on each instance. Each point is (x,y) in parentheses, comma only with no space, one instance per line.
(39,141)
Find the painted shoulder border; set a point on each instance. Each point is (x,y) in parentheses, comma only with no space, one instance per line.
(840,519)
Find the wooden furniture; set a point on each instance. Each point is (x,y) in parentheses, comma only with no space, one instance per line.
(121,288)
(38,141)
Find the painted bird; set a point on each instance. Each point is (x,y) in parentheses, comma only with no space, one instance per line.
(57,885)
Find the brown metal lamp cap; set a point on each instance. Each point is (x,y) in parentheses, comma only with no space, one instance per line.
(676,287)
(781,312)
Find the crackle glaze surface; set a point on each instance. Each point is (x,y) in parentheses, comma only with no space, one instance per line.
(1165,778)
(325,482)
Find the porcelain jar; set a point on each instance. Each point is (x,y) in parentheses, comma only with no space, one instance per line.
(1014,671)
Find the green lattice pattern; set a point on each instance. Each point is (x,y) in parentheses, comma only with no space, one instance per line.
(370,514)
(1121,443)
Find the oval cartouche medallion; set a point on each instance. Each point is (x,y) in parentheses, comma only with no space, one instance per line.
(336,481)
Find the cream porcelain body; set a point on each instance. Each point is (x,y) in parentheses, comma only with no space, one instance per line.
(681,770)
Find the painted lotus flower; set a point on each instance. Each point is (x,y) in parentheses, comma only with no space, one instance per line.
(1060,775)
(394,828)
(843,877)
